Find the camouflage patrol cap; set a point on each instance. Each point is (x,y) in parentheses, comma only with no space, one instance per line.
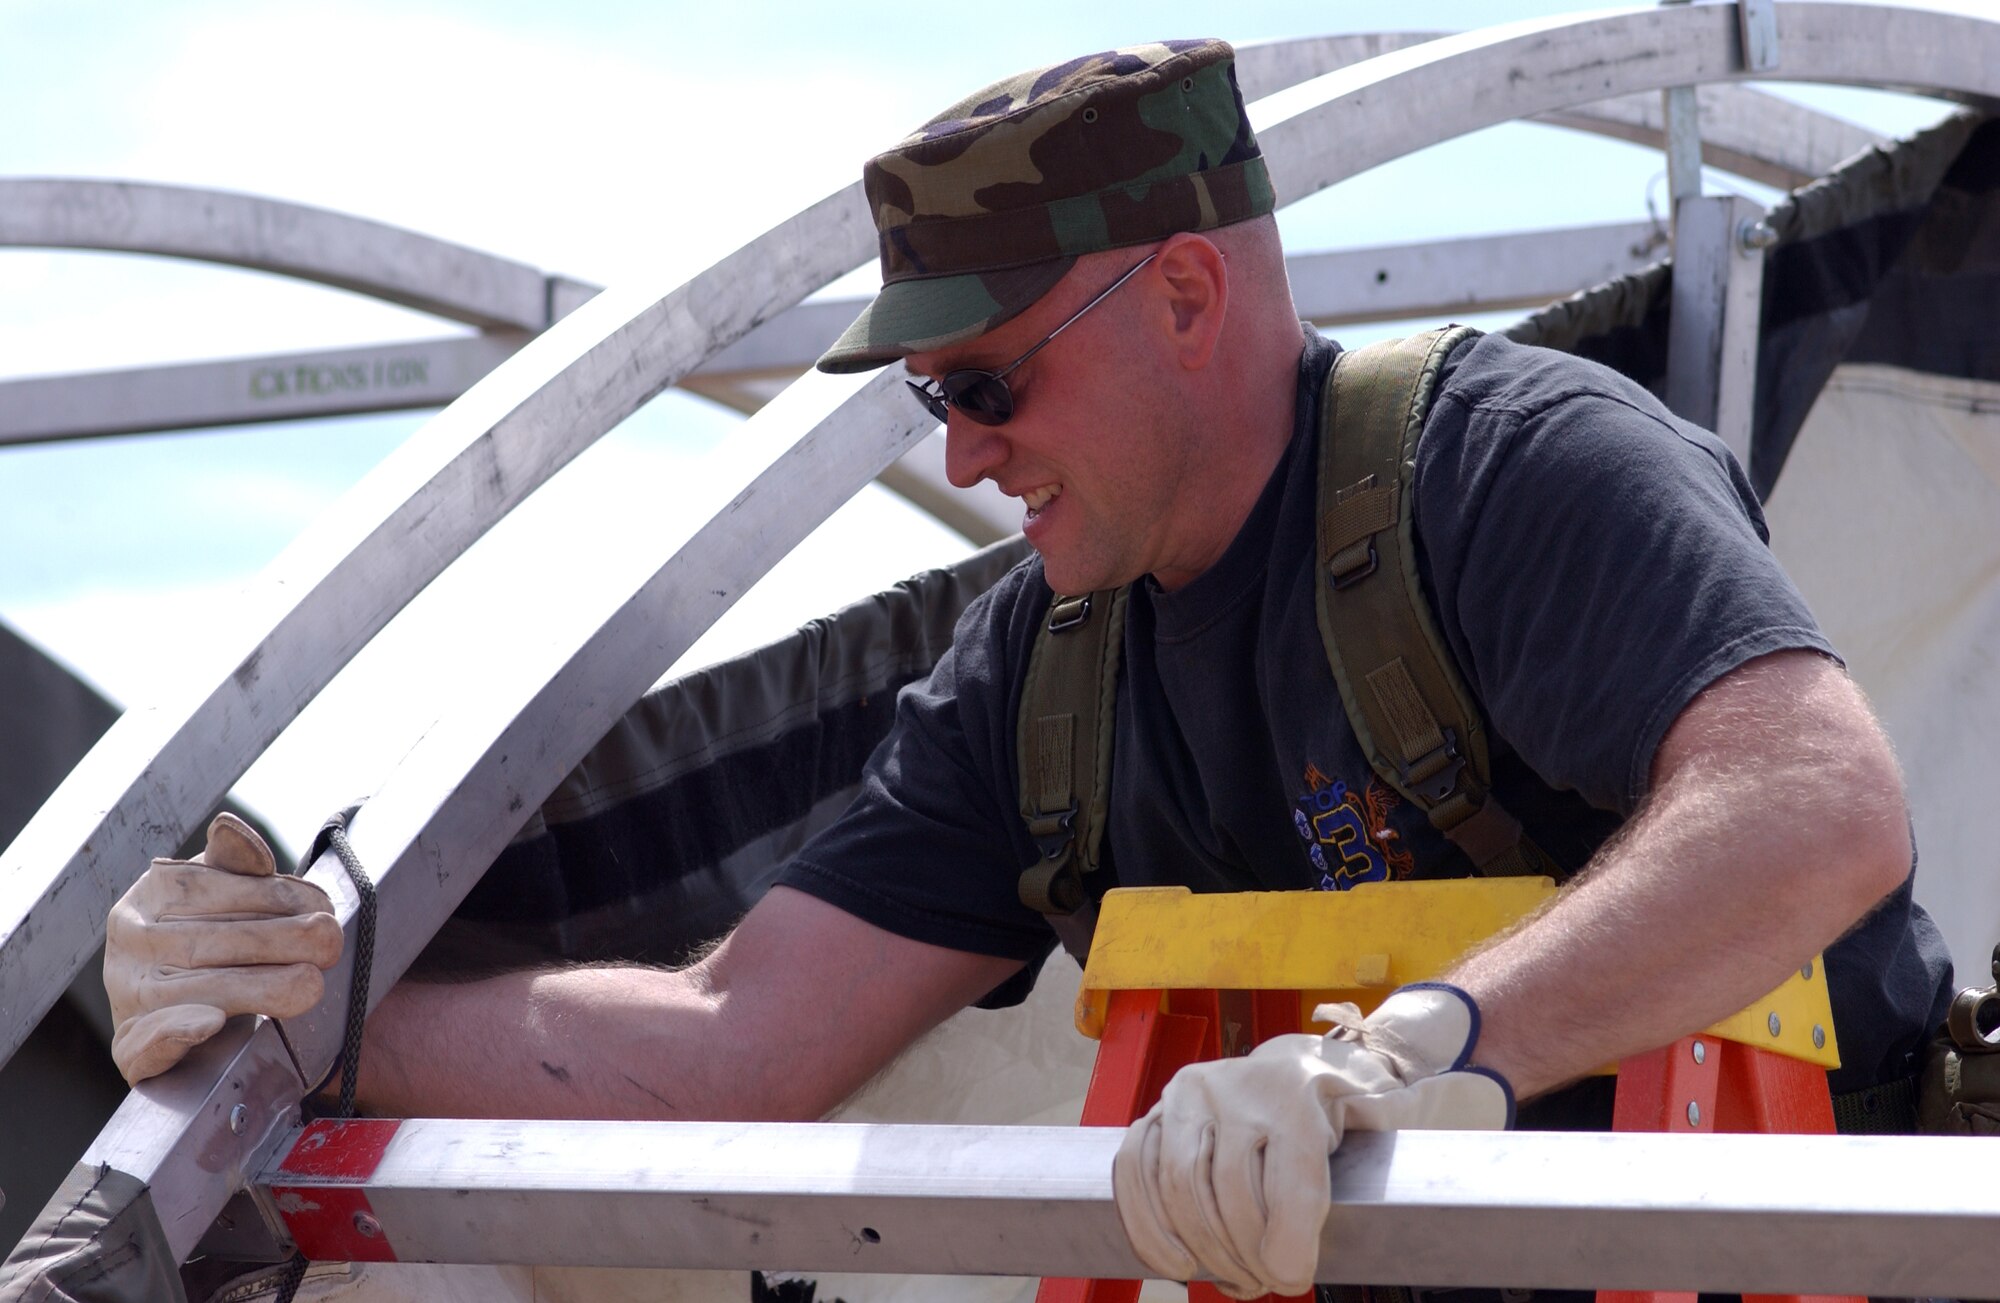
(988,204)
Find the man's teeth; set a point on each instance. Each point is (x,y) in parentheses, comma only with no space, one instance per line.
(1036,499)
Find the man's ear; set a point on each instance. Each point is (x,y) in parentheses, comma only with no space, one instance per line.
(1196,276)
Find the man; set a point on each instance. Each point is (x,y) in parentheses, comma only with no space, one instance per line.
(1083,276)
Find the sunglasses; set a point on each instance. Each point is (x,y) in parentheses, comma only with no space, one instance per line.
(983,396)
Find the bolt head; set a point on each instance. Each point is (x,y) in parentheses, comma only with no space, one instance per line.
(1819,1037)
(239,1117)
(1772,1023)
(1700,1052)
(366,1224)
(1805,970)
(1694,1114)
(1756,236)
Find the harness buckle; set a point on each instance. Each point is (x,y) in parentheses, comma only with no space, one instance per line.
(1068,612)
(1053,832)
(1354,574)
(1434,775)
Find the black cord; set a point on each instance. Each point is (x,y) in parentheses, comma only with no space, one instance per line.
(334,834)
(364,961)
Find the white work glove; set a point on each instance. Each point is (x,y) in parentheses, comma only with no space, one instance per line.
(1228,1173)
(196,941)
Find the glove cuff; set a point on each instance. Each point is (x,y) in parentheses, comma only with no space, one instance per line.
(1424,1029)
(1506,1088)
(1441,1003)
(1437,1020)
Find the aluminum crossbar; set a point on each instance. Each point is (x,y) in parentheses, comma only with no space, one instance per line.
(1901,1216)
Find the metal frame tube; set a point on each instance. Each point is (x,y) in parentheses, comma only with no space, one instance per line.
(1900,1216)
(288,239)
(163,766)
(1718,295)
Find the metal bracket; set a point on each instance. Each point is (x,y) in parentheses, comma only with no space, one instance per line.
(1718,295)
(1758,20)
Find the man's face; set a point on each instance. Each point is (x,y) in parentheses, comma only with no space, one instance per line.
(1092,450)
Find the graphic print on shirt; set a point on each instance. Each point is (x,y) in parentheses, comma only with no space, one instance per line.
(1347,833)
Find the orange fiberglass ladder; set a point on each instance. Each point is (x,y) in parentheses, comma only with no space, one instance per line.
(1175,978)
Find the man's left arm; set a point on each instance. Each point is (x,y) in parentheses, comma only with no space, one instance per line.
(1774,820)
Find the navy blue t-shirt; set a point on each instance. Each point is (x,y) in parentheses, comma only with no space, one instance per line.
(1592,561)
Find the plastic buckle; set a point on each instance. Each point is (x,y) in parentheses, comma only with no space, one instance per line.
(1441,768)
(1067,613)
(1053,832)
(1342,579)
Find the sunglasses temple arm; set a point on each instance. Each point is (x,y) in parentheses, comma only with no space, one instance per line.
(1102,295)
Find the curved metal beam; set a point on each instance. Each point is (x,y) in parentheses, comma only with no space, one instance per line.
(1743,130)
(1341,124)
(387,377)
(1757,136)
(313,244)
(458,796)
(161,767)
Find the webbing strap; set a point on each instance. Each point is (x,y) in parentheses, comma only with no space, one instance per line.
(1068,711)
(1411,712)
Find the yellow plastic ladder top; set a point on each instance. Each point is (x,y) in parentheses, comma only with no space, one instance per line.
(1360,944)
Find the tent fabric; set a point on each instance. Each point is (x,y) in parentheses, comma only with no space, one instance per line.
(674,824)
(98,1240)
(1888,517)
(1890,258)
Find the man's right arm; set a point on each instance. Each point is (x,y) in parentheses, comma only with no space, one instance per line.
(795,1010)
(791,1013)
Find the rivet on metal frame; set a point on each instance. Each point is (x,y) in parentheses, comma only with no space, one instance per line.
(1700,1052)
(1772,1022)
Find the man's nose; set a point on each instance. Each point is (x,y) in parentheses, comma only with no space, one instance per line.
(972,451)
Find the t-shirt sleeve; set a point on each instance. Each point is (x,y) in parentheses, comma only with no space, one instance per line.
(1595,563)
(932,847)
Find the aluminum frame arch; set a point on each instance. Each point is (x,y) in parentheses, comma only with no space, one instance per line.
(300,241)
(484,454)
(1757,136)
(1344,122)
(160,769)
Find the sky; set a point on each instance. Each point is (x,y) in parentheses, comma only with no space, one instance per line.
(614,141)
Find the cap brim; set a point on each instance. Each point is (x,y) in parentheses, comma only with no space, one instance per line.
(916,316)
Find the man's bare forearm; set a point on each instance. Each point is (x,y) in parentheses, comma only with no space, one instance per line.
(1776,821)
(798,1008)
(565,1043)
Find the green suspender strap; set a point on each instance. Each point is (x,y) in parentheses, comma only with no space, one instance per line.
(1063,744)
(1409,708)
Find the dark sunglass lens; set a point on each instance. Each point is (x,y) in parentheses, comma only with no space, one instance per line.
(981,395)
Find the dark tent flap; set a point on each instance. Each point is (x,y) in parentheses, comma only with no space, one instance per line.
(98,1240)
(673,825)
